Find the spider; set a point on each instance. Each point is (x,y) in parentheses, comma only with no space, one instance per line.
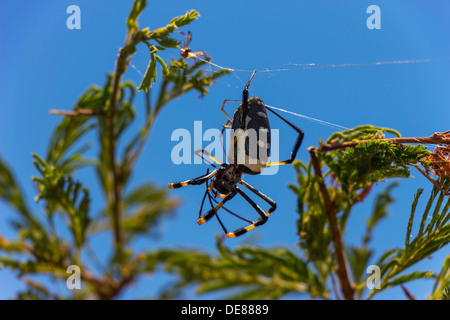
(186,51)
(250,115)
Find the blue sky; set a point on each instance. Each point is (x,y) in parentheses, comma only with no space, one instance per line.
(46,66)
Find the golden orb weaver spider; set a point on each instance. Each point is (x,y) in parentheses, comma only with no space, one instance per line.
(250,115)
(186,52)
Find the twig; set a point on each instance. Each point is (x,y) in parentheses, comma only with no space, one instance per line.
(334,285)
(77,112)
(434,182)
(111,121)
(343,276)
(106,287)
(363,194)
(436,138)
(408,293)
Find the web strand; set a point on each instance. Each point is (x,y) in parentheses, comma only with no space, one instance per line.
(329,124)
(314,66)
(325,123)
(329,66)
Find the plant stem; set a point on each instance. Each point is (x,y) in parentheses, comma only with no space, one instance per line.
(436,138)
(111,121)
(77,112)
(342,273)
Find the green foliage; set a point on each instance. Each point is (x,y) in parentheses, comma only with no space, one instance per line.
(446,294)
(136,10)
(257,273)
(162,37)
(73,129)
(441,288)
(10,191)
(100,117)
(341,173)
(63,194)
(360,256)
(372,160)
(432,235)
(347,175)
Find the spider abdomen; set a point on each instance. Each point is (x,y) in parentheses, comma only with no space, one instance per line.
(250,137)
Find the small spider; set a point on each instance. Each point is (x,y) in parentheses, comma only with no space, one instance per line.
(250,115)
(186,51)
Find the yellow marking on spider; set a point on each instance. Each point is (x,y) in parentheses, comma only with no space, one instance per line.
(221,195)
(233,235)
(203,219)
(177,185)
(215,159)
(279,163)
(209,155)
(251,227)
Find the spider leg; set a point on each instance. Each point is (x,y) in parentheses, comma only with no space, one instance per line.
(220,205)
(208,188)
(201,152)
(229,211)
(214,209)
(263,217)
(227,124)
(217,216)
(273,204)
(188,37)
(203,200)
(211,199)
(208,215)
(297,144)
(223,109)
(245,93)
(196,54)
(206,55)
(195,181)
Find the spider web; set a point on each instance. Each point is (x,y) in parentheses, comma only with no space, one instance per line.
(311,66)
(290,67)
